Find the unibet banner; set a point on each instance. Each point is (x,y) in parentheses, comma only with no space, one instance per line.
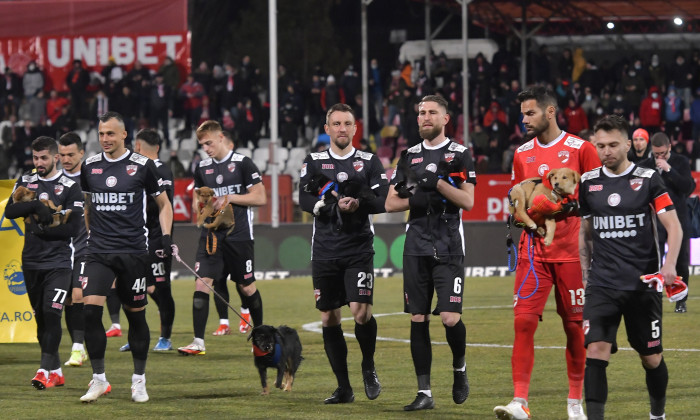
(16,316)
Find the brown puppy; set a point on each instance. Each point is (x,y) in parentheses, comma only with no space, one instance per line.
(563,181)
(23,194)
(223,218)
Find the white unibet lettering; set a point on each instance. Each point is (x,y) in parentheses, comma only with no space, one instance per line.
(103,47)
(123,49)
(640,218)
(58,57)
(144,50)
(493,205)
(170,42)
(619,222)
(85,50)
(2,62)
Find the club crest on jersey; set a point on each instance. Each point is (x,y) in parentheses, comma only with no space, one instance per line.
(317,294)
(303,170)
(530,159)
(542,169)
(614,199)
(431,167)
(416,160)
(196,266)
(586,326)
(58,189)
(208,172)
(231,167)
(83,281)
(131,169)
(636,183)
(595,188)
(43,196)
(111,181)
(358,165)
(219,179)
(563,156)
(96,171)
(449,157)
(342,176)
(327,166)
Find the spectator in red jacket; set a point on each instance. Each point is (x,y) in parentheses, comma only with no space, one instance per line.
(192,92)
(651,111)
(494,114)
(54,105)
(576,118)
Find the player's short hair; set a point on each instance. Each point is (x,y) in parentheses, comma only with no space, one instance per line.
(611,123)
(339,108)
(150,136)
(208,126)
(42,143)
(660,140)
(228,136)
(111,115)
(71,138)
(437,99)
(543,96)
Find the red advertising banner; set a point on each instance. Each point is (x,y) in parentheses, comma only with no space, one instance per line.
(56,32)
(490,199)
(182,200)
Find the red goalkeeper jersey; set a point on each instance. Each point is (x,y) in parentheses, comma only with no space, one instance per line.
(534,159)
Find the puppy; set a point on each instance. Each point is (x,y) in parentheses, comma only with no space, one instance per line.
(24,195)
(523,195)
(276,347)
(223,218)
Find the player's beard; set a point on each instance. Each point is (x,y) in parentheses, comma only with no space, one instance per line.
(536,130)
(44,171)
(342,142)
(429,133)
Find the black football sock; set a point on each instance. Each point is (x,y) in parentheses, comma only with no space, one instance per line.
(166,307)
(95,338)
(457,339)
(337,352)
(52,338)
(367,338)
(421,352)
(221,287)
(113,306)
(595,383)
(255,305)
(657,381)
(69,320)
(139,339)
(200,313)
(77,322)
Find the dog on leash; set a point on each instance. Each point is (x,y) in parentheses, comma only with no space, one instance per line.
(24,195)
(223,218)
(277,348)
(534,198)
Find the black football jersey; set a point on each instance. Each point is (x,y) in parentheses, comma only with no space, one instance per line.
(440,232)
(337,234)
(117,191)
(61,190)
(234,174)
(80,239)
(165,176)
(620,210)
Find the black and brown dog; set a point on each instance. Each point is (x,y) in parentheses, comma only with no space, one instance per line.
(278,348)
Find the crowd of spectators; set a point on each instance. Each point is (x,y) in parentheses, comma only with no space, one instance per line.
(650,93)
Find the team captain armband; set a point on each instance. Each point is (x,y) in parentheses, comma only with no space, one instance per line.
(662,203)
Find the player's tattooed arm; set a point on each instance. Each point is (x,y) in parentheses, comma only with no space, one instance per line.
(585,248)
(87,206)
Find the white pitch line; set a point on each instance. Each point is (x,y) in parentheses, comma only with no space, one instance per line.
(316,328)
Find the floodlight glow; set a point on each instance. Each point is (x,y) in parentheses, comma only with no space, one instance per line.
(678,21)
(610,25)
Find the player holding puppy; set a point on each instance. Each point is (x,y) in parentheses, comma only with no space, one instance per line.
(46,256)
(624,193)
(548,147)
(237,182)
(342,255)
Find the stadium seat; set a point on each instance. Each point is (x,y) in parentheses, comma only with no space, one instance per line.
(261,157)
(263,143)
(295,160)
(245,151)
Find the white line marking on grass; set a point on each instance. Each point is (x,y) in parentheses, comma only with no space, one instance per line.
(316,328)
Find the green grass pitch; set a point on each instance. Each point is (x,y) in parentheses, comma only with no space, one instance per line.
(225,384)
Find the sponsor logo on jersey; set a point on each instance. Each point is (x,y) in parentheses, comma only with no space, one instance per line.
(613,199)
(96,171)
(342,176)
(209,171)
(563,156)
(573,142)
(530,159)
(255,175)
(364,292)
(247,276)
(654,343)
(317,294)
(303,170)
(455,299)
(595,188)
(44,196)
(231,167)
(139,297)
(111,181)
(14,278)
(56,305)
(472,174)
(416,160)
(327,166)
(636,183)
(219,179)
(32,186)
(78,204)
(131,169)
(58,189)
(431,167)
(449,157)
(542,169)
(358,165)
